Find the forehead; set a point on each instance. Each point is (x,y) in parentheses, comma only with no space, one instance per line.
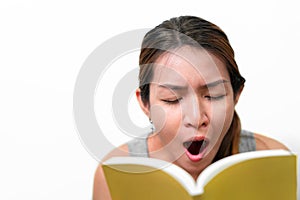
(191,65)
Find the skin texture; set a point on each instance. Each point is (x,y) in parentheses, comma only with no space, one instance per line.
(186,111)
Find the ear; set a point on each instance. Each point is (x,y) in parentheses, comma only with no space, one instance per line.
(144,105)
(237,96)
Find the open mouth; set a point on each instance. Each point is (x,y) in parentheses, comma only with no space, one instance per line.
(195,147)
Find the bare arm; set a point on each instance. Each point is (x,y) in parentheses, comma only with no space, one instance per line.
(100,189)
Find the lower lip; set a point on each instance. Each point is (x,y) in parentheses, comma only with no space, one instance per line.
(195,158)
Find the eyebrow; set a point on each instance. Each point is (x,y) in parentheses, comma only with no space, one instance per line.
(215,83)
(173,87)
(179,87)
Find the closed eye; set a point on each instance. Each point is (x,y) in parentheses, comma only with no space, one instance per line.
(214,98)
(171,101)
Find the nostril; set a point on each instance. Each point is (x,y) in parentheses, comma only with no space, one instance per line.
(195,115)
(199,122)
(204,121)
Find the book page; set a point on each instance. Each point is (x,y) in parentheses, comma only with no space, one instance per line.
(177,173)
(211,171)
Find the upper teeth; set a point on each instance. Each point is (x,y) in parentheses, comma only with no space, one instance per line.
(188,143)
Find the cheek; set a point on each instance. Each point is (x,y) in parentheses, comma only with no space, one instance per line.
(221,118)
(222,113)
(165,118)
(168,126)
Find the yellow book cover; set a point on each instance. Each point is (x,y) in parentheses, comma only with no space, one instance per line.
(258,175)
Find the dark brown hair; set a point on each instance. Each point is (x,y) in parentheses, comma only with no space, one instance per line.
(192,31)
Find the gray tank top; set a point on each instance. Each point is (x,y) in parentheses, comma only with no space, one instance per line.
(139,148)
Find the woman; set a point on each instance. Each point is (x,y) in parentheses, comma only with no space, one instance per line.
(189,86)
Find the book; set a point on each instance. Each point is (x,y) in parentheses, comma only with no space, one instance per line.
(257,175)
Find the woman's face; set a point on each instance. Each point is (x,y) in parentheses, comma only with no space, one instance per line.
(191,105)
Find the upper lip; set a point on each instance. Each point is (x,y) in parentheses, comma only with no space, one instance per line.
(188,142)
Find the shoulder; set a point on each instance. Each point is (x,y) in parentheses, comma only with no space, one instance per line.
(119,151)
(267,143)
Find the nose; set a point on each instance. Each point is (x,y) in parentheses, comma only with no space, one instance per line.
(195,113)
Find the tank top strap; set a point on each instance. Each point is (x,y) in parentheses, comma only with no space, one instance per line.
(138,147)
(247,141)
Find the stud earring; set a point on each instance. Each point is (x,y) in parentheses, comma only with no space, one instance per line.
(152,125)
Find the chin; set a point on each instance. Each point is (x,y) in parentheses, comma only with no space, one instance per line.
(193,168)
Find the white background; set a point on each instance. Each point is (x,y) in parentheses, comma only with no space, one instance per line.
(44,43)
